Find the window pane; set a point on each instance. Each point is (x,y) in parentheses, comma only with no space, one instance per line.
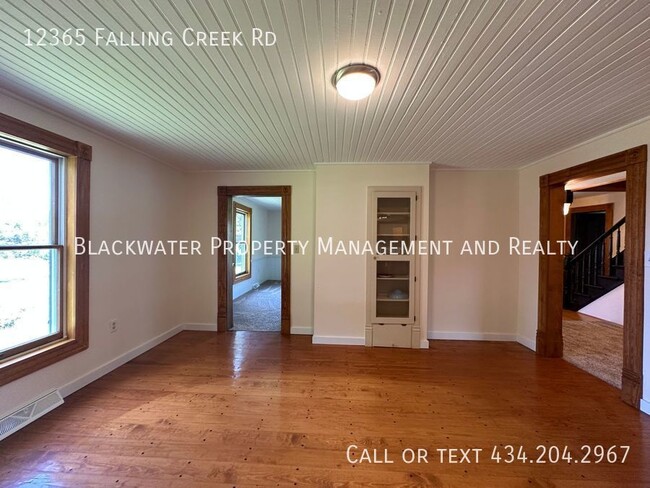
(28,289)
(26,196)
(240,263)
(240,227)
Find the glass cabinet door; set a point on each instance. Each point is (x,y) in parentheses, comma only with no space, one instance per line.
(393,291)
(394,223)
(392,228)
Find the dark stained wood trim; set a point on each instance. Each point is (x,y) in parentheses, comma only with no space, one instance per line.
(224,260)
(78,332)
(549,331)
(614,163)
(224,263)
(254,191)
(610,187)
(82,261)
(285,316)
(635,203)
(34,136)
(549,327)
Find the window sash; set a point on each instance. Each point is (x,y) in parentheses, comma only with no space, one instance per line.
(57,298)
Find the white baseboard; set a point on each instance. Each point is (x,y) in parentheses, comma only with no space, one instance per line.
(424,344)
(645,407)
(106,368)
(200,327)
(302,330)
(529,343)
(470,336)
(347,341)
(213,328)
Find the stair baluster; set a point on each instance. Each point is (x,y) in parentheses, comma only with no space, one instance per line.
(596,270)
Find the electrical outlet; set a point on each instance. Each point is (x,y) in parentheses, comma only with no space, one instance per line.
(112,325)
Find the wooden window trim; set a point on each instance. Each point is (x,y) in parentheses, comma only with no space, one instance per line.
(77,159)
(249,239)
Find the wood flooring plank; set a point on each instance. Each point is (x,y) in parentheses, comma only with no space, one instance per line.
(258,409)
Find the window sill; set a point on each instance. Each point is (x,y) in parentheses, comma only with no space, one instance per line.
(242,277)
(30,361)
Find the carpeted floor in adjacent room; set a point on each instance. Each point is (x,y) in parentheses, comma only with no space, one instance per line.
(595,346)
(258,310)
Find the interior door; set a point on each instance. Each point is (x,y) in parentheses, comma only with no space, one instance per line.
(586,227)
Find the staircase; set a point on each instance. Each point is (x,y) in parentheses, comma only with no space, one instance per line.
(596,270)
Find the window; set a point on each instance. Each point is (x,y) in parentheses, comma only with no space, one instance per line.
(44,183)
(31,255)
(243,219)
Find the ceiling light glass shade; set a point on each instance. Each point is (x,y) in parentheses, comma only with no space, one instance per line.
(356,81)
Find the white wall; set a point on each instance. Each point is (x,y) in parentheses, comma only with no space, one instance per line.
(131,196)
(341,213)
(199,294)
(473,297)
(585,199)
(267,226)
(608,307)
(631,136)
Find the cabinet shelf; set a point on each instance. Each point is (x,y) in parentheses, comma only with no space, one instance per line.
(394,278)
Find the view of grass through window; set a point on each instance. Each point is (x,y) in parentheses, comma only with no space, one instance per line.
(29,281)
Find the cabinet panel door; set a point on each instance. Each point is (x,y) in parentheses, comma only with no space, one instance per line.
(391,335)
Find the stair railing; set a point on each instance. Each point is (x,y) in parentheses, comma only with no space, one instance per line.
(600,258)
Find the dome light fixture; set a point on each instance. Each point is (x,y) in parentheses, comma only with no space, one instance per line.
(355,81)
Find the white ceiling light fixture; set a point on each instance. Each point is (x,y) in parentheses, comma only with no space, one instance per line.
(355,81)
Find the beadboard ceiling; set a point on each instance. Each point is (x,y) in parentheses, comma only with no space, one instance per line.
(475,84)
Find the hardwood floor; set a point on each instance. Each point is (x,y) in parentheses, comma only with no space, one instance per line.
(255,409)
(593,345)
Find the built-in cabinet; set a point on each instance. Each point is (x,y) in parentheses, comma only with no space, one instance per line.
(392,281)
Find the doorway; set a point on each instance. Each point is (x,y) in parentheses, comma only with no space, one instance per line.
(234,269)
(256,288)
(594,276)
(551,267)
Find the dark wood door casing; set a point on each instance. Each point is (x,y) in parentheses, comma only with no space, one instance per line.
(552,228)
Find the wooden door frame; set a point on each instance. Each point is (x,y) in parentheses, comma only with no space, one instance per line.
(224,260)
(551,275)
(608,208)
